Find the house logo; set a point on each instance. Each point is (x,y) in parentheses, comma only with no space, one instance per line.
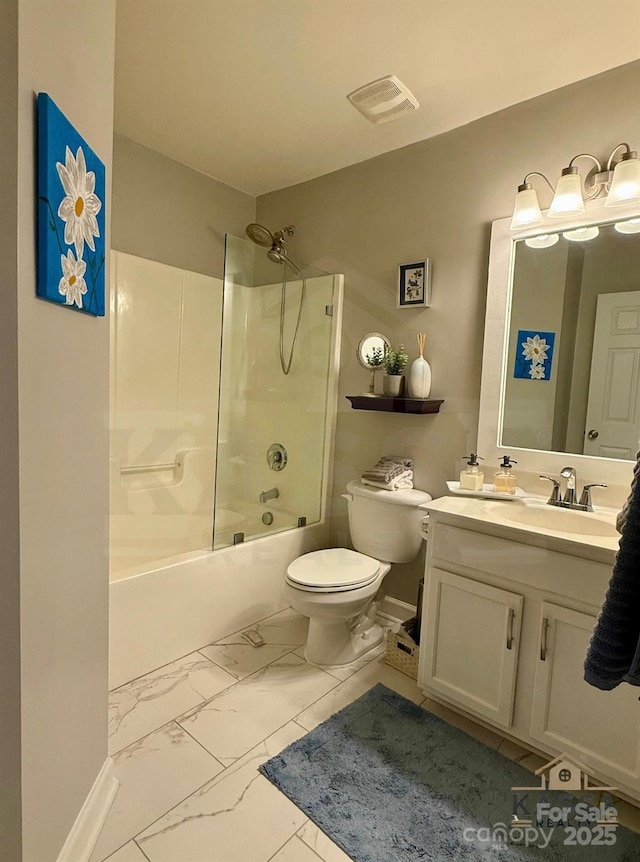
(563,807)
(561,776)
(561,773)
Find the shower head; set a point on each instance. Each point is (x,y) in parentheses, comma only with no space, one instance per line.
(275,243)
(276,254)
(260,235)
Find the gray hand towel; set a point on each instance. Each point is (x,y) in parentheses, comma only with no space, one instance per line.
(384,471)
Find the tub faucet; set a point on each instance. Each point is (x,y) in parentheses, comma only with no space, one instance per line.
(271,494)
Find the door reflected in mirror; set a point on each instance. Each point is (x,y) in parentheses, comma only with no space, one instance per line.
(573,359)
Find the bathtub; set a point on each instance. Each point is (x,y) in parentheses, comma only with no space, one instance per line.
(169,610)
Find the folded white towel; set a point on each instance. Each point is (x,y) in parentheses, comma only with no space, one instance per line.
(398,483)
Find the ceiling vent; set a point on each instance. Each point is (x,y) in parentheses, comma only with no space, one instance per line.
(383,100)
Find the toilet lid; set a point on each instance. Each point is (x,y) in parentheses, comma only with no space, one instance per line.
(334,568)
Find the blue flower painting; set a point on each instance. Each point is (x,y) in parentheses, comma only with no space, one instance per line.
(71,214)
(534,354)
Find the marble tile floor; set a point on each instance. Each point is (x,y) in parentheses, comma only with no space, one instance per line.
(187,740)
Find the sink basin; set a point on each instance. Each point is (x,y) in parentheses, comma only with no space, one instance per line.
(555,519)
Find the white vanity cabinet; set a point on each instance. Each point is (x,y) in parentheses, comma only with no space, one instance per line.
(507,619)
(569,715)
(471,644)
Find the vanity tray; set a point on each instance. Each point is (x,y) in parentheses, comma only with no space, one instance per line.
(454,488)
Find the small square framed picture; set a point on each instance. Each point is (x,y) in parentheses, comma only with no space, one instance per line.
(414,284)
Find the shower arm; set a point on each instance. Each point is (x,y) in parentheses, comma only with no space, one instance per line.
(289,230)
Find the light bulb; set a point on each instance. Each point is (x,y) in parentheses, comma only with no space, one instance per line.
(568,197)
(544,240)
(631,226)
(581,234)
(526,209)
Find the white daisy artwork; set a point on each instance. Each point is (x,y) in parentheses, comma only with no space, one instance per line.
(71,215)
(534,354)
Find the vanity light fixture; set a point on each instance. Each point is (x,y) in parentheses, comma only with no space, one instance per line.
(568,198)
(621,183)
(630,226)
(526,210)
(625,184)
(543,240)
(581,234)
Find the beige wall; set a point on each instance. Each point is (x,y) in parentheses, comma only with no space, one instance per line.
(436,199)
(66,48)
(10,815)
(165,211)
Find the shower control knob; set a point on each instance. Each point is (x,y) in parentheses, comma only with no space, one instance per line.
(277,457)
(593,434)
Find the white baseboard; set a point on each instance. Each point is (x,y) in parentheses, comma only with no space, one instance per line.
(86,830)
(395,610)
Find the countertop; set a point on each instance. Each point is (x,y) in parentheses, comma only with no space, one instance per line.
(504,518)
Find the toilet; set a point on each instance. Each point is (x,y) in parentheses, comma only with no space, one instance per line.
(338,589)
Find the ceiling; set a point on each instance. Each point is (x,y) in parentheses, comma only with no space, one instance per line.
(253,92)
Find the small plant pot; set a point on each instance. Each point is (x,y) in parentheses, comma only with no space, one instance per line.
(392,385)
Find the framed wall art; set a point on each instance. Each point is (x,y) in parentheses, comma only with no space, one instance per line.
(534,354)
(71,214)
(414,284)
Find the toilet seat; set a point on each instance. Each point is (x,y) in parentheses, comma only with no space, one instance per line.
(332,570)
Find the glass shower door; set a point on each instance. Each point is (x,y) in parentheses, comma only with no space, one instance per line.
(272,428)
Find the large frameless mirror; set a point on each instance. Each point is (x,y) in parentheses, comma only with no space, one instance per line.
(561,356)
(573,350)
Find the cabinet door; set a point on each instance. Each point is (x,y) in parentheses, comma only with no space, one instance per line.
(600,728)
(470,642)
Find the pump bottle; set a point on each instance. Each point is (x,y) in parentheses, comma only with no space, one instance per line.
(472,479)
(504,481)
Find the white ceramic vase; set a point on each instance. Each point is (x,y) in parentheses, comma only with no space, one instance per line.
(392,385)
(420,378)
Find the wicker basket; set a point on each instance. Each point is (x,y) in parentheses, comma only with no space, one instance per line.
(402,652)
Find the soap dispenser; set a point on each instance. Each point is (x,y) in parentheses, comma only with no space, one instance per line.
(504,481)
(472,479)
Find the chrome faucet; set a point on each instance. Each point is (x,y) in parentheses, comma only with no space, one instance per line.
(271,494)
(569,501)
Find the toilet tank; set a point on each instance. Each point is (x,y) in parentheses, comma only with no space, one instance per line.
(386,524)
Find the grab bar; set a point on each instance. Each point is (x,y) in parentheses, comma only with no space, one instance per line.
(150,468)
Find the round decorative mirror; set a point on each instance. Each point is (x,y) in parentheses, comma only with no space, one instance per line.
(370,350)
(370,353)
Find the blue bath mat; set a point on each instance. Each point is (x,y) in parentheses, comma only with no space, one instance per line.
(390,782)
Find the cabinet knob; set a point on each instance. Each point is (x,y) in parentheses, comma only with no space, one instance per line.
(593,434)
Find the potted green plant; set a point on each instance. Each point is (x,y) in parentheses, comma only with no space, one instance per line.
(394,364)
